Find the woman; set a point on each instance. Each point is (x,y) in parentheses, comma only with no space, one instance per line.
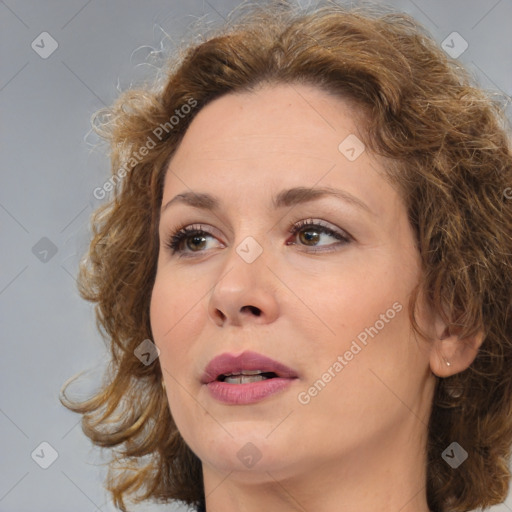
(304,273)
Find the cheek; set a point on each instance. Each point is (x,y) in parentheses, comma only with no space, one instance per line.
(177,317)
(378,353)
(353,299)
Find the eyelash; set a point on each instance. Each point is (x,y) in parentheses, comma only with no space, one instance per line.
(178,237)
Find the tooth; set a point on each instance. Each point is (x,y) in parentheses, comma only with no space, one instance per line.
(245,372)
(244,379)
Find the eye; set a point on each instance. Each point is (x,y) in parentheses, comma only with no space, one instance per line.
(194,239)
(310,232)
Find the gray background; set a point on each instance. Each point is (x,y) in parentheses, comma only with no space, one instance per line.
(50,165)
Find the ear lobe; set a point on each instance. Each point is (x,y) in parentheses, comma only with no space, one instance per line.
(450,354)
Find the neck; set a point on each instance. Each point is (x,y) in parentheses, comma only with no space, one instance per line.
(387,476)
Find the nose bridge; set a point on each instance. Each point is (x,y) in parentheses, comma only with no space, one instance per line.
(244,288)
(244,267)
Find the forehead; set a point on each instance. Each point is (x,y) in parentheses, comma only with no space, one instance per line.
(279,135)
(281,113)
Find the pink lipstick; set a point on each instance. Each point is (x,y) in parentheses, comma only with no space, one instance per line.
(245,378)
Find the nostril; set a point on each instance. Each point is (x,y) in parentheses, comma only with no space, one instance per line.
(256,311)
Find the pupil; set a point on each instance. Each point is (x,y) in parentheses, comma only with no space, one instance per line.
(310,238)
(196,239)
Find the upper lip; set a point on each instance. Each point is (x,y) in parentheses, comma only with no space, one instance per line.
(231,363)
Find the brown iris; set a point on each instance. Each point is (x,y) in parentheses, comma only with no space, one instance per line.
(307,238)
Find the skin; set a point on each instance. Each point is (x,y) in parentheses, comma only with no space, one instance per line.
(359,444)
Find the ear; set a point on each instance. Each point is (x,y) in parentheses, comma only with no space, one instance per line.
(451,354)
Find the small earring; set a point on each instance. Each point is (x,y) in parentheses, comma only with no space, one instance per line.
(447,363)
(163,384)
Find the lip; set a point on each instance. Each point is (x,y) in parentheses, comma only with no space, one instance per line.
(239,394)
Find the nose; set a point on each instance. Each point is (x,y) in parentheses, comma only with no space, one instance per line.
(244,293)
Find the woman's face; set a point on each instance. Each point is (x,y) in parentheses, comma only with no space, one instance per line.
(317,282)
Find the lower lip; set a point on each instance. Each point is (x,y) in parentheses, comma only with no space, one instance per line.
(239,394)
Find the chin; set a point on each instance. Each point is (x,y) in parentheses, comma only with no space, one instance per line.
(248,453)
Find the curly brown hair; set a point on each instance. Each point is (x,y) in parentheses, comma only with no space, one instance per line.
(447,147)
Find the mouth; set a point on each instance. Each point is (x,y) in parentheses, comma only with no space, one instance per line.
(245,368)
(246,378)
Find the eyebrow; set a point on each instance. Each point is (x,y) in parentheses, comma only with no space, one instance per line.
(285,198)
